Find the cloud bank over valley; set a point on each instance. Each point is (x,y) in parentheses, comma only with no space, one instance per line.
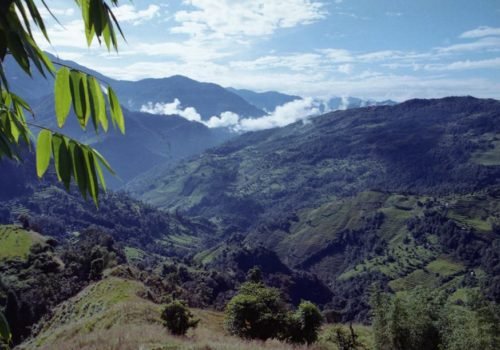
(288,113)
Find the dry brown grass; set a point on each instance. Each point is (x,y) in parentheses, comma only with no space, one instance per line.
(155,337)
(110,316)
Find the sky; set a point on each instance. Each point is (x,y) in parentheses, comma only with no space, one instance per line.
(377,49)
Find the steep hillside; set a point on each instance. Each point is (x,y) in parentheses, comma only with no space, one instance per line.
(399,240)
(115,313)
(402,196)
(421,146)
(51,210)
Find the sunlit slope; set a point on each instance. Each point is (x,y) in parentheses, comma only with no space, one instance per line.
(115,313)
(15,242)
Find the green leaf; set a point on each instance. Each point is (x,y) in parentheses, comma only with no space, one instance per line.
(97,103)
(99,173)
(62,159)
(97,16)
(4,329)
(79,171)
(79,96)
(43,151)
(17,49)
(5,145)
(62,95)
(86,98)
(91,174)
(104,162)
(116,110)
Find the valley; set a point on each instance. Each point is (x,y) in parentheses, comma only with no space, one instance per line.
(302,174)
(323,219)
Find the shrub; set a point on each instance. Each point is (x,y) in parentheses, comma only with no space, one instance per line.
(304,325)
(256,312)
(177,318)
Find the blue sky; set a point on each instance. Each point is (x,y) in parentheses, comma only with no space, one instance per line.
(378,49)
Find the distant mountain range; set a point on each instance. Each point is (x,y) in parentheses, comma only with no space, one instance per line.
(149,141)
(267,101)
(153,141)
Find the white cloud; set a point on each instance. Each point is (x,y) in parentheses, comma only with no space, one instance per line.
(393,14)
(481,32)
(488,44)
(128,13)
(188,51)
(69,35)
(172,108)
(288,113)
(226,119)
(337,55)
(464,65)
(283,115)
(57,12)
(345,68)
(294,62)
(228,18)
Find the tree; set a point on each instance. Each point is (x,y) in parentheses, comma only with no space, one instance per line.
(72,87)
(303,326)
(178,319)
(256,312)
(422,319)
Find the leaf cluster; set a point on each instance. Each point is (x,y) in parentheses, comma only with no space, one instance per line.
(72,88)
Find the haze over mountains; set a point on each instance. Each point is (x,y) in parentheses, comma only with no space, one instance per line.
(200,115)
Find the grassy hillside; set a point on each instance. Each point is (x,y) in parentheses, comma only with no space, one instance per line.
(15,243)
(114,314)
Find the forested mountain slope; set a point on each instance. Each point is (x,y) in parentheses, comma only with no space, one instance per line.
(402,196)
(421,146)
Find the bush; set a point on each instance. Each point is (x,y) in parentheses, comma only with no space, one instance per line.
(304,325)
(177,318)
(256,312)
